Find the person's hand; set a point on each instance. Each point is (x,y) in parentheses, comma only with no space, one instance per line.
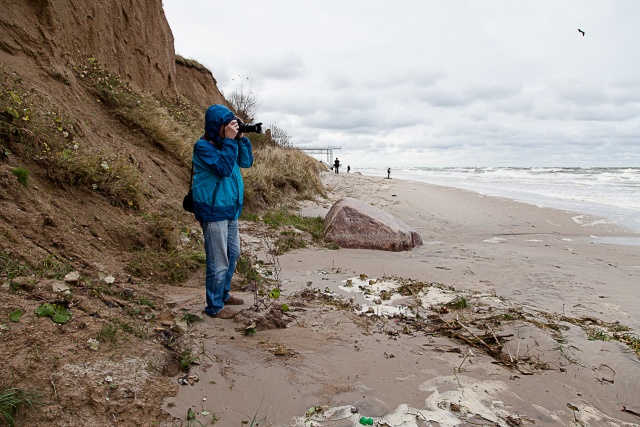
(231,130)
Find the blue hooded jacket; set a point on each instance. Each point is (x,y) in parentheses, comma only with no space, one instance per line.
(218,189)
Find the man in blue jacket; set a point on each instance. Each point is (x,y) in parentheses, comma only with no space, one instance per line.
(218,194)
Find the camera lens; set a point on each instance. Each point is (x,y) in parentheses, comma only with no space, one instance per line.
(246,128)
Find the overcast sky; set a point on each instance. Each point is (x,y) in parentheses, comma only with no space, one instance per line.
(432,83)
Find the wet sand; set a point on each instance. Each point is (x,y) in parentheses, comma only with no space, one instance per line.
(538,260)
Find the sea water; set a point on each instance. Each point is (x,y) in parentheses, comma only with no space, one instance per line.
(609,193)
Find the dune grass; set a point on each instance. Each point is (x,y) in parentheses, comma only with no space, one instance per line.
(13,399)
(281,174)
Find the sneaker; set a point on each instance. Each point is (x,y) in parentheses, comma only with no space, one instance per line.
(233,300)
(225,313)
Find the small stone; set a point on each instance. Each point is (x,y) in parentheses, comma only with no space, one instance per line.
(93,344)
(109,280)
(181,326)
(60,287)
(72,277)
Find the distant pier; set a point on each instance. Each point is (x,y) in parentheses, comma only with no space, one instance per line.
(326,151)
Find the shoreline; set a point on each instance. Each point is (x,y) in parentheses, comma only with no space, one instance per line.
(618,213)
(484,229)
(504,256)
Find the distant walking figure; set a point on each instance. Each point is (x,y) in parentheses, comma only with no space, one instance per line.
(389,173)
(348,168)
(336,165)
(582,32)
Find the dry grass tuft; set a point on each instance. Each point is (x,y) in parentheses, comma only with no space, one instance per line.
(279,174)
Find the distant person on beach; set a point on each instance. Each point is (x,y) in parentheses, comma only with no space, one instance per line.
(336,165)
(389,173)
(348,168)
(218,195)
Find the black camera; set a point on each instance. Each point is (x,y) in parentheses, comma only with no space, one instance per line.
(246,128)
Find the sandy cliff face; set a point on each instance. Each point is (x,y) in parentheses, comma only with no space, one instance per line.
(197,84)
(129,37)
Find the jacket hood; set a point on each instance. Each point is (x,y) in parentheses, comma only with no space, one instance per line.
(216,116)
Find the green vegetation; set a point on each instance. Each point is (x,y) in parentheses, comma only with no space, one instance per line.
(110,330)
(145,301)
(15,315)
(12,399)
(10,267)
(458,303)
(22,174)
(597,334)
(108,333)
(187,359)
(284,217)
(50,267)
(57,312)
(251,276)
(633,342)
(289,238)
(173,266)
(49,138)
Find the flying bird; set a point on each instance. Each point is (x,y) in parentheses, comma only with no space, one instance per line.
(582,32)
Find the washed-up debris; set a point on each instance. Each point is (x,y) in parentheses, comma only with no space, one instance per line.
(632,410)
(251,329)
(574,408)
(313,410)
(281,350)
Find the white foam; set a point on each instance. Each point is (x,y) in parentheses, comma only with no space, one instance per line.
(496,240)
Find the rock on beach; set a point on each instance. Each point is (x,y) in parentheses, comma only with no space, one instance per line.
(352,223)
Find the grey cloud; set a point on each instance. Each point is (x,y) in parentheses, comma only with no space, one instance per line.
(407,84)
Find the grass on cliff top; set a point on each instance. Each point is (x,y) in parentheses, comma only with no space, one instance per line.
(279,175)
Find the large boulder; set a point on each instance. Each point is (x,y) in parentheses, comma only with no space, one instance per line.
(352,223)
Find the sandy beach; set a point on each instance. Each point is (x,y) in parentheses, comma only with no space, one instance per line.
(332,366)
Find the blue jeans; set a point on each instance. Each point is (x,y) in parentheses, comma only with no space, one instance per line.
(222,249)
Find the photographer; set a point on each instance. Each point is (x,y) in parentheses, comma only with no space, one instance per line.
(218,193)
